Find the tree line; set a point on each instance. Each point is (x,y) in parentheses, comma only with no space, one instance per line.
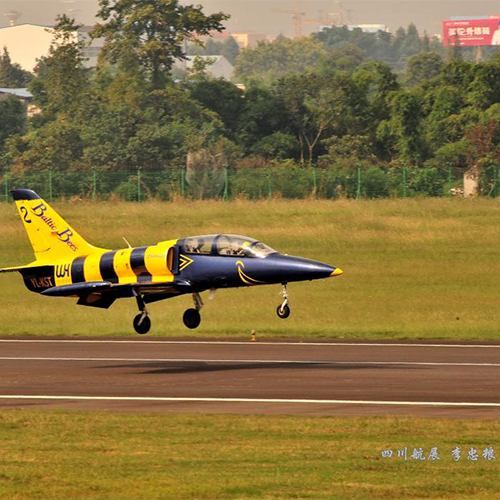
(330,101)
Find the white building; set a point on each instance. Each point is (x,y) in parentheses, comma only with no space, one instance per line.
(366,28)
(220,68)
(28,42)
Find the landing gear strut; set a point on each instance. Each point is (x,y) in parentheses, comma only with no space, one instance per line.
(192,318)
(283,310)
(142,322)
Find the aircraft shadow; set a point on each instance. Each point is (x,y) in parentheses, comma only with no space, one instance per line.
(180,367)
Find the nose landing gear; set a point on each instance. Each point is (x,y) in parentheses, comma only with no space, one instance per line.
(192,317)
(283,310)
(142,322)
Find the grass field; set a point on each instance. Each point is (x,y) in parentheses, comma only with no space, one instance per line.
(419,268)
(74,455)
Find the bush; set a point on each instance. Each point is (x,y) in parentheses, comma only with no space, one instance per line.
(427,181)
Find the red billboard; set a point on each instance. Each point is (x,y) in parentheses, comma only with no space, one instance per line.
(471,32)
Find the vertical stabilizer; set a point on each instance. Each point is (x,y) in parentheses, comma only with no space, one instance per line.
(51,237)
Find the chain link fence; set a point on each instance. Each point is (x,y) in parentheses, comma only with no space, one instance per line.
(251,183)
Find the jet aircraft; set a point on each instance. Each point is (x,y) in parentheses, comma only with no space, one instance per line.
(66,265)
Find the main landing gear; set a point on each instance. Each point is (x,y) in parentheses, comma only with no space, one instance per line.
(283,310)
(142,322)
(192,318)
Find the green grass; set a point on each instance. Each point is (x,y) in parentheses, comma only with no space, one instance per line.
(419,268)
(91,455)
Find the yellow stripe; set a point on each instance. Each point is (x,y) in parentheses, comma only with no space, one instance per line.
(122,267)
(156,262)
(91,267)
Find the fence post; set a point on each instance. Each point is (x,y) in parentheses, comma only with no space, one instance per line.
(183,182)
(450,181)
(6,177)
(50,184)
(315,182)
(139,184)
(495,180)
(358,190)
(270,182)
(225,195)
(404,182)
(94,183)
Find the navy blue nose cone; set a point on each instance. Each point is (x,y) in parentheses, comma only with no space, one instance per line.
(285,268)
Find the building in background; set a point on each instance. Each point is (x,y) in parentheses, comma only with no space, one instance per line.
(248,40)
(23,94)
(366,28)
(244,39)
(28,42)
(220,67)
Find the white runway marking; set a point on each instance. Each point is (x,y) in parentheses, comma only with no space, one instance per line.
(249,361)
(248,400)
(230,342)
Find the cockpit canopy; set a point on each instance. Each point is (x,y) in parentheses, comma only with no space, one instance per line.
(227,245)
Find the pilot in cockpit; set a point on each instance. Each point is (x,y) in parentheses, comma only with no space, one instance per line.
(194,245)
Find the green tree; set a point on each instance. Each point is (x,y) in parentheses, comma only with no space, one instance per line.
(445,123)
(412,44)
(61,80)
(376,46)
(319,105)
(57,144)
(404,129)
(484,90)
(278,146)
(11,74)
(230,50)
(348,57)
(263,115)
(424,66)
(12,118)
(221,97)
(272,60)
(155,30)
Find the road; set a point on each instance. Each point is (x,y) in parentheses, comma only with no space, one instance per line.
(452,380)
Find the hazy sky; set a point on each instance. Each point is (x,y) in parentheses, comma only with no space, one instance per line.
(257,15)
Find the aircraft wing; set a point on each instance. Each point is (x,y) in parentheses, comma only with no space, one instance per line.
(77,289)
(103,293)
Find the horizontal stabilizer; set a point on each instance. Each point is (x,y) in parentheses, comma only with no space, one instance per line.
(76,289)
(11,269)
(14,269)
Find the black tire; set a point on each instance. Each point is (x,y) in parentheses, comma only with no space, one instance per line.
(283,314)
(192,318)
(142,327)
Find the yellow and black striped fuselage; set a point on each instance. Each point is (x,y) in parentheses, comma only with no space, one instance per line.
(66,265)
(149,264)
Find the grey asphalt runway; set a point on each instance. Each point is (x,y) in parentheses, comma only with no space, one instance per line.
(452,380)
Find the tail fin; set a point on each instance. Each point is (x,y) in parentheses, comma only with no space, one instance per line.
(51,237)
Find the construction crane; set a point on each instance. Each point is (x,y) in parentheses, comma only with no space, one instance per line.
(298,18)
(339,17)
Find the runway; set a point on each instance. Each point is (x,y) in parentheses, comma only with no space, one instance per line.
(452,380)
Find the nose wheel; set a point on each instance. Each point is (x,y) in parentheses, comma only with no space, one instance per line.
(192,317)
(142,322)
(283,310)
